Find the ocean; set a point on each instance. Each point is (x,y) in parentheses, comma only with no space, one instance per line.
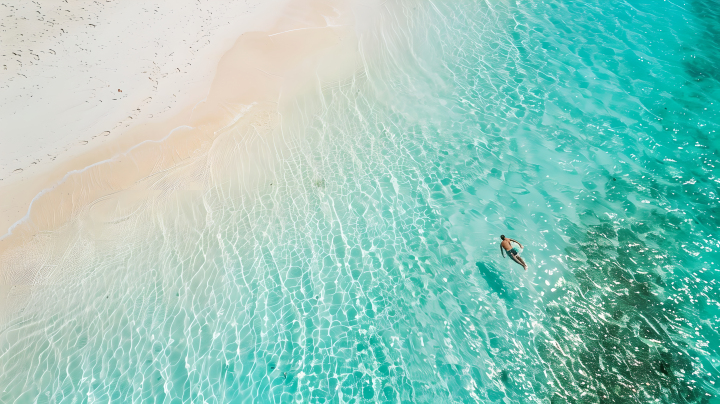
(363,264)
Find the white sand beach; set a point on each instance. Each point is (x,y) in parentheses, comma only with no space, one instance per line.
(76,74)
(78,81)
(104,127)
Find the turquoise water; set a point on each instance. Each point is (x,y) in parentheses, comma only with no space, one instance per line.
(365,266)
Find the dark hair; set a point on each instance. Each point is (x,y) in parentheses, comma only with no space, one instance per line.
(502,237)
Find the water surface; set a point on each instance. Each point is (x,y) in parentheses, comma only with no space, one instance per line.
(366,267)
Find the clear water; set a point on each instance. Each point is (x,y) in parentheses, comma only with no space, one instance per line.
(365,266)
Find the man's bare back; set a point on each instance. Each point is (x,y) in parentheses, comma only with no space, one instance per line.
(505,245)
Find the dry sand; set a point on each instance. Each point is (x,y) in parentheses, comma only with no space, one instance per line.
(79,73)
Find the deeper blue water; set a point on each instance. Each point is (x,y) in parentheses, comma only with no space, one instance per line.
(366,267)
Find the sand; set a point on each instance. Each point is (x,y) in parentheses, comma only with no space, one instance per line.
(75,74)
(66,121)
(307,43)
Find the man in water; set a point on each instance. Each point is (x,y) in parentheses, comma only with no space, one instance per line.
(512,252)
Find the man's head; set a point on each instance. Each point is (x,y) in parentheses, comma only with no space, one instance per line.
(502,237)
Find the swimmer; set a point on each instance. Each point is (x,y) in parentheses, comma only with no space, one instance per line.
(512,252)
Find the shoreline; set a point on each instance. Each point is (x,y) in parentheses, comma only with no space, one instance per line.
(311,41)
(61,124)
(77,76)
(30,184)
(82,138)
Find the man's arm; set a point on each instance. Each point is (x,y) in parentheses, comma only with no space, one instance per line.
(502,251)
(517,242)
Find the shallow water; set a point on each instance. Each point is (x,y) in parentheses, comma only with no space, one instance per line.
(365,266)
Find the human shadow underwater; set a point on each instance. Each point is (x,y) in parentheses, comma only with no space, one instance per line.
(495,281)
